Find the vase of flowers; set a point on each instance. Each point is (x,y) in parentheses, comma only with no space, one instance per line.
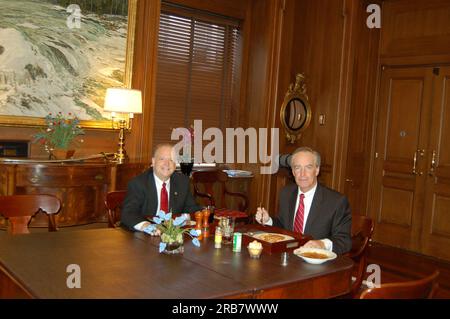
(174,248)
(172,232)
(59,136)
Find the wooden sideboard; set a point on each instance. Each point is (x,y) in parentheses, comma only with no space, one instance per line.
(81,186)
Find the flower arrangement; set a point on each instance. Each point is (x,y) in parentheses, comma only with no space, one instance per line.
(60,132)
(172,230)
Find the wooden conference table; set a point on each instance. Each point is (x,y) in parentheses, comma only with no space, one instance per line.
(115,263)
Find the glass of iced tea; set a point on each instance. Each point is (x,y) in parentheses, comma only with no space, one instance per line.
(227,225)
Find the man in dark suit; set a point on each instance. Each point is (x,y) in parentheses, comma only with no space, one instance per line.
(159,188)
(311,208)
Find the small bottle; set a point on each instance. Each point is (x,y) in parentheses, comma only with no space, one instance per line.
(205,229)
(284,258)
(237,242)
(218,238)
(198,225)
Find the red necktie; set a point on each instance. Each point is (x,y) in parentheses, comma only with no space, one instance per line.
(164,203)
(298,223)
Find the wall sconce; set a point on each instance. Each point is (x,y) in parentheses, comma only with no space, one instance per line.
(121,100)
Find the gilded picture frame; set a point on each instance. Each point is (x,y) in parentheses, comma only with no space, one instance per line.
(295,112)
(104,62)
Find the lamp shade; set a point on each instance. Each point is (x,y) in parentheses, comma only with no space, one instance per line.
(123,100)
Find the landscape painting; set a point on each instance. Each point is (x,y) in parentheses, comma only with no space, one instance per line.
(61,56)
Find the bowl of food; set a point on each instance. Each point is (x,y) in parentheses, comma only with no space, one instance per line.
(254,249)
(314,255)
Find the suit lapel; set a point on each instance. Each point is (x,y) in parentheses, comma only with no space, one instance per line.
(315,208)
(173,197)
(292,202)
(151,189)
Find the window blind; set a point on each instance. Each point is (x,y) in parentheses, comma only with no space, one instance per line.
(197,70)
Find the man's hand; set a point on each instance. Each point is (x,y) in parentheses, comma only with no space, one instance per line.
(262,216)
(315,244)
(150,229)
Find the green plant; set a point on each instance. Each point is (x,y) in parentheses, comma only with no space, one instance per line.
(172,230)
(60,131)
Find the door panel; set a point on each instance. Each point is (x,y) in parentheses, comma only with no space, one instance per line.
(390,201)
(441,216)
(404,104)
(436,215)
(398,189)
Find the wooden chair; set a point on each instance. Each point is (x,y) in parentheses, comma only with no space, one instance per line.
(208,179)
(362,230)
(113,203)
(19,209)
(417,289)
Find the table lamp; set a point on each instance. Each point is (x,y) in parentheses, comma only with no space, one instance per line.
(122,100)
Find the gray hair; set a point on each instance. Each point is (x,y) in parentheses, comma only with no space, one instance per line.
(306,149)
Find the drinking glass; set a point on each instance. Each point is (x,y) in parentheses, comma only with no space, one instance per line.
(187,216)
(227,225)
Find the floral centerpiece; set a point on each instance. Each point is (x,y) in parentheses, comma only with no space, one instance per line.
(60,132)
(172,231)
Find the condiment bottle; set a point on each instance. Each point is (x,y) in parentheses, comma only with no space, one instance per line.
(198,224)
(206,214)
(218,237)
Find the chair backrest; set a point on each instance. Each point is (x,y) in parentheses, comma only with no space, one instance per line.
(19,209)
(204,187)
(113,203)
(362,230)
(417,289)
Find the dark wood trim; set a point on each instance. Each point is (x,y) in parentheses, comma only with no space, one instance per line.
(147,64)
(234,9)
(273,66)
(425,60)
(349,12)
(10,287)
(399,265)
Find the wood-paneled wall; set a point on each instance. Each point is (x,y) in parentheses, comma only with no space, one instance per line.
(260,106)
(355,182)
(413,62)
(144,75)
(415,32)
(322,31)
(319,40)
(329,42)
(281,38)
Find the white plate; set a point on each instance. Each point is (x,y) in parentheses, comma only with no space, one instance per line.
(282,237)
(330,255)
(235,172)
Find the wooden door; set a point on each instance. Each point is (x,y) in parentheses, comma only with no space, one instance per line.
(399,164)
(362,101)
(436,215)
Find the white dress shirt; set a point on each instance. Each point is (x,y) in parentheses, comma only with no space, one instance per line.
(159,185)
(307,201)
